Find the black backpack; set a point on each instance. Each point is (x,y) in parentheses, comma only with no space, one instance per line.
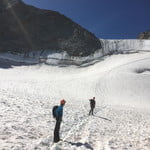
(54,110)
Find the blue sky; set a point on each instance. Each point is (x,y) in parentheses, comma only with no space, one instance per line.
(107,19)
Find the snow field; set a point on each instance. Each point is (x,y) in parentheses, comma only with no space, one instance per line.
(120,83)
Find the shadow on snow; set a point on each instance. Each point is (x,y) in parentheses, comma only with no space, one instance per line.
(103,118)
(78,144)
(6,64)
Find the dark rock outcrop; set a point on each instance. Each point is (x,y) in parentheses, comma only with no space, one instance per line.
(145,35)
(25,28)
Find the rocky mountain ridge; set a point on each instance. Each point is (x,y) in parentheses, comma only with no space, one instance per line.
(25,28)
(145,35)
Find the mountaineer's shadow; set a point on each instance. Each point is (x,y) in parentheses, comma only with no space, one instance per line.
(78,144)
(103,118)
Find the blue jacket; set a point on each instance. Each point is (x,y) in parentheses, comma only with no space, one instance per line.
(59,111)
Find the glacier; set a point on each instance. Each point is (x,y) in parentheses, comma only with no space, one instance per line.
(52,57)
(118,76)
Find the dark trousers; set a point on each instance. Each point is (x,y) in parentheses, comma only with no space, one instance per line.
(91,111)
(56,130)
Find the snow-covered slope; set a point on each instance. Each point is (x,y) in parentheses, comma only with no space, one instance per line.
(120,83)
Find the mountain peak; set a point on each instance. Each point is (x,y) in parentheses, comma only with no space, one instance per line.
(26,28)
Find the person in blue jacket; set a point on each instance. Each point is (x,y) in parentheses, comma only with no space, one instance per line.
(59,115)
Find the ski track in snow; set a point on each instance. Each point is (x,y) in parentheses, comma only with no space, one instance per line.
(27,95)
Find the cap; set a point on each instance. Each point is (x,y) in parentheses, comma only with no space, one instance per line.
(62,102)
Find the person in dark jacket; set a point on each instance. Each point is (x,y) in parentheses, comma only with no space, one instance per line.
(92,105)
(59,115)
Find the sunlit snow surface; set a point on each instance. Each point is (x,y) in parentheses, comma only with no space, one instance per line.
(120,83)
